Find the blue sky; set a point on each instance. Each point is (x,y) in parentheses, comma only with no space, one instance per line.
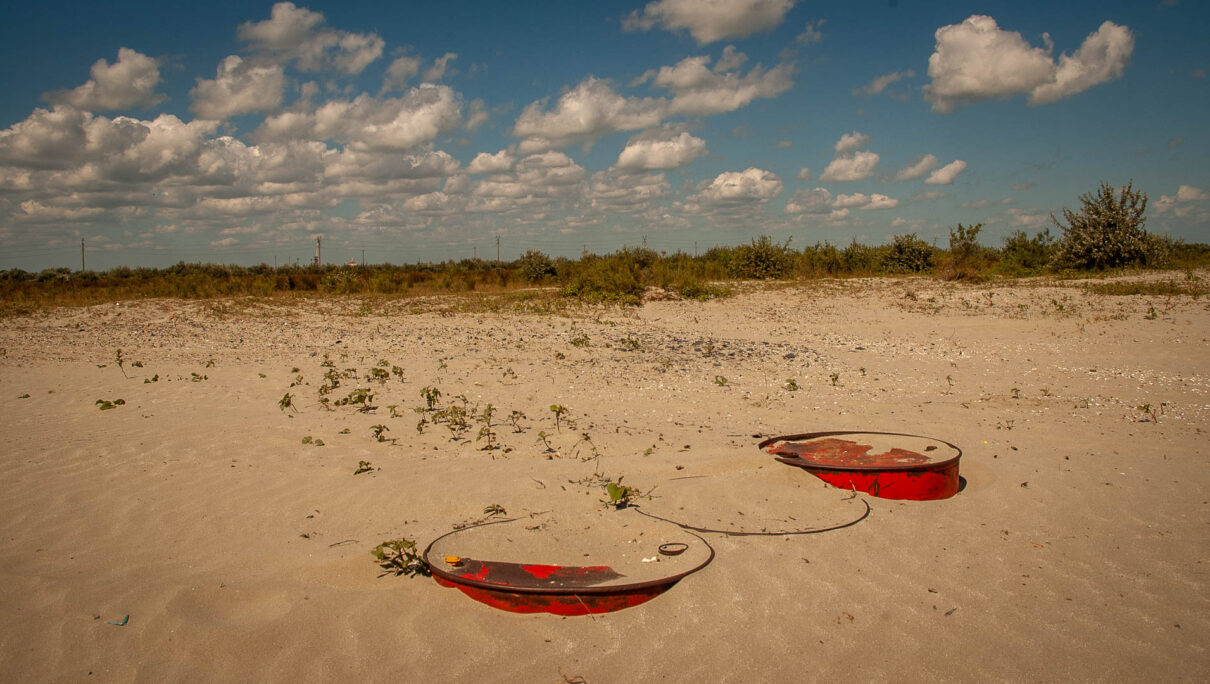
(239,132)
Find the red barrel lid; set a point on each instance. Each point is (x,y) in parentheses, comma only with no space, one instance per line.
(879,451)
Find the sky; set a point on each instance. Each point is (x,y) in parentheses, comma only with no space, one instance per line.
(245,132)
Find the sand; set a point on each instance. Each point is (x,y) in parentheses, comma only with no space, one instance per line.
(1079,548)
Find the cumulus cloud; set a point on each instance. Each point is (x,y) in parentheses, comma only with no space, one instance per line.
(712,20)
(402,70)
(238,88)
(1102,57)
(946,174)
(298,34)
(699,90)
(591,109)
(804,174)
(491,163)
(740,187)
(860,200)
(1182,203)
(977,60)
(851,141)
(811,33)
(625,192)
(880,83)
(917,168)
(855,167)
(815,201)
(365,122)
(441,67)
(536,180)
(128,82)
(646,154)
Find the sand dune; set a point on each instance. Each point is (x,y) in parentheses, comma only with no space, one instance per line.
(1077,550)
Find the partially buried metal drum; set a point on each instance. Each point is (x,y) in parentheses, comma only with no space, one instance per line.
(886,465)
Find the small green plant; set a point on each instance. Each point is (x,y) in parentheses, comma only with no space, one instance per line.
(791,385)
(630,344)
(397,372)
(106,404)
(286,402)
(1151,314)
(835,378)
(136,364)
(862,371)
(360,397)
(495,509)
(431,396)
(379,374)
(309,440)
(378,431)
(121,362)
(345,431)
(515,419)
(1152,413)
(24,396)
(210,363)
(621,496)
(400,557)
(194,377)
(154,378)
(363,467)
(545,440)
(559,356)
(1016,392)
(949,381)
(720,380)
(580,340)
(559,410)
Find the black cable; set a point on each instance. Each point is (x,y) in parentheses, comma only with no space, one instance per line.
(742,533)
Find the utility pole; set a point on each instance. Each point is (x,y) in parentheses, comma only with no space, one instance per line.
(475,252)
(497,249)
(644,242)
(363,258)
(318,250)
(81,254)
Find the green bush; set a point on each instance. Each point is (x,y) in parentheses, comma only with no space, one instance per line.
(1108,232)
(861,259)
(908,254)
(537,267)
(1023,255)
(762,259)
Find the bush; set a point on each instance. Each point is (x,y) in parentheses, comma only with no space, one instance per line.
(966,258)
(1108,232)
(536,267)
(1023,255)
(762,259)
(859,258)
(908,254)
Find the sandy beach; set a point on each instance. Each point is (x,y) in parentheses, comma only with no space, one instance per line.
(1079,548)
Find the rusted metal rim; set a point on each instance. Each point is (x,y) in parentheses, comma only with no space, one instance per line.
(613,589)
(795,460)
(748,533)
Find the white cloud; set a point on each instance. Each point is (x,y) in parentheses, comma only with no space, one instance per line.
(804,174)
(731,60)
(698,90)
(667,153)
(740,187)
(626,192)
(917,168)
(1102,57)
(440,67)
(1023,219)
(491,163)
(1181,204)
(297,33)
(977,60)
(851,141)
(926,196)
(590,110)
(860,200)
(880,83)
(851,168)
(816,201)
(811,33)
(365,122)
(128,82)
(238,88)
(946,174)
(402,70)
(711,20)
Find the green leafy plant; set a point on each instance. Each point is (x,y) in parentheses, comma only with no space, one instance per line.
(621,496)
(286,402)
(835,378)
(360,398)
(400,557)
(379,374)
(363,467)
(154,378)
(720,380)
(580,340)
(495,509)
(791,385)
(121,362)
(515,419)
(194,377)
(1108,231)
(559,410)
(545,440)
(431,396)
(106,404)
(1152,412)
(378,431)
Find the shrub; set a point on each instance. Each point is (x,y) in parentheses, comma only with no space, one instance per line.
(1108,232)
(762,259)
(1023,255)
(536,267)
(908,254)
(859,258)
(966,257)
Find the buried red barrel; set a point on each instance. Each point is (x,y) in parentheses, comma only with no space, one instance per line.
(884,464)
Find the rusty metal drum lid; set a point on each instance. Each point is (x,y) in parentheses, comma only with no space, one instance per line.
(874,451)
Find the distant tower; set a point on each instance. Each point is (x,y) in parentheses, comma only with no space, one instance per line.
(318,248)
